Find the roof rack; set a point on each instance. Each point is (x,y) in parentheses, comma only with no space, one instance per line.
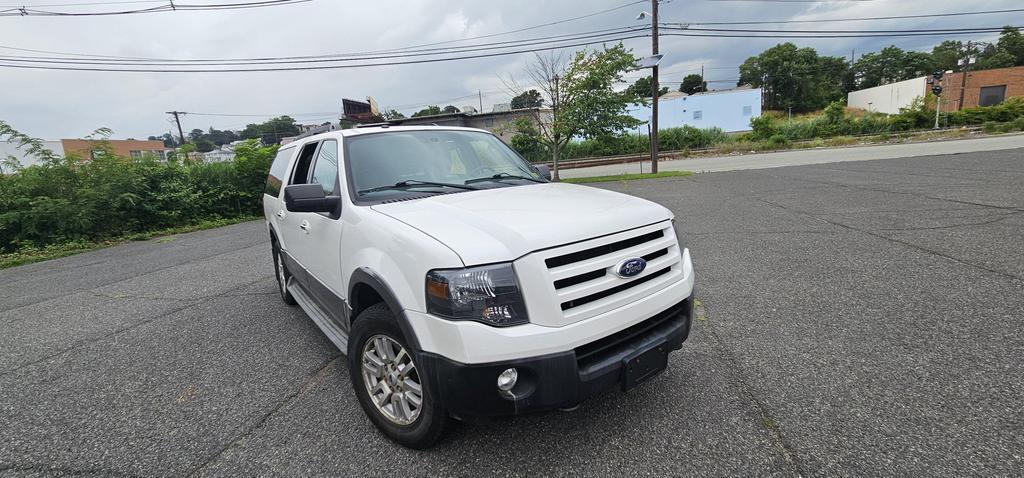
(374,125)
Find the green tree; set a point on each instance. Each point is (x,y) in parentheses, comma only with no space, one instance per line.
(271,131)
(392,114)
(641,89)
(582,95)
(693,83)
(996,59)
(527,99)
(1011,41)
(428,111)
(449,110)
(795,78)
(890,65)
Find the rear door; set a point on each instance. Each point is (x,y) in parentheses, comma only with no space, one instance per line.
(291,235)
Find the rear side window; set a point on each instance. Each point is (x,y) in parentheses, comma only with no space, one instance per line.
(278,170)
(325,169)
(300,174)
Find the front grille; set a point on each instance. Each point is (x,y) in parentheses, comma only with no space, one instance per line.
(614,290)
(593,252)
(595,350)
(583,279)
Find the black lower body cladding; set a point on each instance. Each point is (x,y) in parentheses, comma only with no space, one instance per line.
(560,380)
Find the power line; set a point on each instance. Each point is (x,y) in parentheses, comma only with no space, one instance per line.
(338,57)
(49,66)
(169,6)
(557,22)
(860,19)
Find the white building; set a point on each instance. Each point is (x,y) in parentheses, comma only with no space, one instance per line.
(21,155)
(730,110)
(888,98)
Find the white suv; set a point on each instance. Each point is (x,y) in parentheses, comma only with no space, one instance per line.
(461,283)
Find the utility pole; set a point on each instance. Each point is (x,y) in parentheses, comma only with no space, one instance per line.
(554,123)
(178,120)
(703,84)
(654,88)
(966,70)
(480,96)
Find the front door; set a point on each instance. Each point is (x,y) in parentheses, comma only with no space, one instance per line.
(319,239)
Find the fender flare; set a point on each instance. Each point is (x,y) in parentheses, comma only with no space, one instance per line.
(367,277)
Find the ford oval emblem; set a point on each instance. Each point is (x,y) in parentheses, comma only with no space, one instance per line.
(631,267)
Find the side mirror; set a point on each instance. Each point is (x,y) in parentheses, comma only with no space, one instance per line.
(309,198)
(544,171)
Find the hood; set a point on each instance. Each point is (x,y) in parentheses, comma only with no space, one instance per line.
(502,224)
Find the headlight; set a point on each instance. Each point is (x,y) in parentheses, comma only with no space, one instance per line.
(488,294)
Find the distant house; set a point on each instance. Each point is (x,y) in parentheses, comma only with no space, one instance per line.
(89,149)
(21,156)
(730,110)
(981,88)
(500,122)
(888,98)
(225,152)
(85,149)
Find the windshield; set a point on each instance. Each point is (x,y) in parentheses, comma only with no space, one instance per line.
(404,162)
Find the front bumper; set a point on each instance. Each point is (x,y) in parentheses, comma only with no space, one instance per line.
(559,380)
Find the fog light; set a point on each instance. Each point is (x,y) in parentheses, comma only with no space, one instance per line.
(507,379)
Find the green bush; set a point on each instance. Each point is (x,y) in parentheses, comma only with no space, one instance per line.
(778,142)
(70,200)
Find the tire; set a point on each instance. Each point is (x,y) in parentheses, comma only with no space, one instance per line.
(282,274)
(376,326)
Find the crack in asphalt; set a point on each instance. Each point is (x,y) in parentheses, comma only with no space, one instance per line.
(312,380)
(140,323)
(52,470)
(127,279)
(770,425)
(896,241)
(889,191)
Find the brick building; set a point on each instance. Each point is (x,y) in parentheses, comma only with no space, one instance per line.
(86,148)
(984,88)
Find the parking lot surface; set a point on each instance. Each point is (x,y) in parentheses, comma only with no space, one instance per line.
(856,319)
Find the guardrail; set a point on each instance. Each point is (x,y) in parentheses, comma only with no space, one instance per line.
(673,154)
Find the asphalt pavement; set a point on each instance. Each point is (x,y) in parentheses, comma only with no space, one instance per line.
(804,157)
(856,319)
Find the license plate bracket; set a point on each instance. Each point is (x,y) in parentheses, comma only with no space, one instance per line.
(644,364)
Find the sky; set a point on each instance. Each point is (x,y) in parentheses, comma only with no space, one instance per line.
(62,104)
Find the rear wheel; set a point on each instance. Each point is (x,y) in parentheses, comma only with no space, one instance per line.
(390,385)
(281,271)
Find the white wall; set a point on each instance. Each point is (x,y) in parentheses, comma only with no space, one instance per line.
(888,98)
(729,110)
(11,149)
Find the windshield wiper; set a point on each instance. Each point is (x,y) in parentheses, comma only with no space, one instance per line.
(500,176)
(409,183)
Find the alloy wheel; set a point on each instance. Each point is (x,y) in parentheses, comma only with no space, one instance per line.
(392,380)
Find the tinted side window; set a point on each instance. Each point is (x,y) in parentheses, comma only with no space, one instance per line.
(278,170)
(300,174)
(325,170)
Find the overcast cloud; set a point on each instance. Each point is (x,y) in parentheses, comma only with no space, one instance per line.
(57,104)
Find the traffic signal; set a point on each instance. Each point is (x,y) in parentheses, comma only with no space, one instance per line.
(937,74)
(937,90)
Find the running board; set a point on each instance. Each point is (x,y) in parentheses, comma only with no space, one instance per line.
(327,326)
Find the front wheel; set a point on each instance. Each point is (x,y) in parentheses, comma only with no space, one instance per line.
(281,271)
(390,385)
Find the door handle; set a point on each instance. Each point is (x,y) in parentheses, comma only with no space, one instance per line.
(304,225)
(280,214)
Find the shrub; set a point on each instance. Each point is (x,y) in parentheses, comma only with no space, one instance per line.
(70,200)
(763,127)
(778,141)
